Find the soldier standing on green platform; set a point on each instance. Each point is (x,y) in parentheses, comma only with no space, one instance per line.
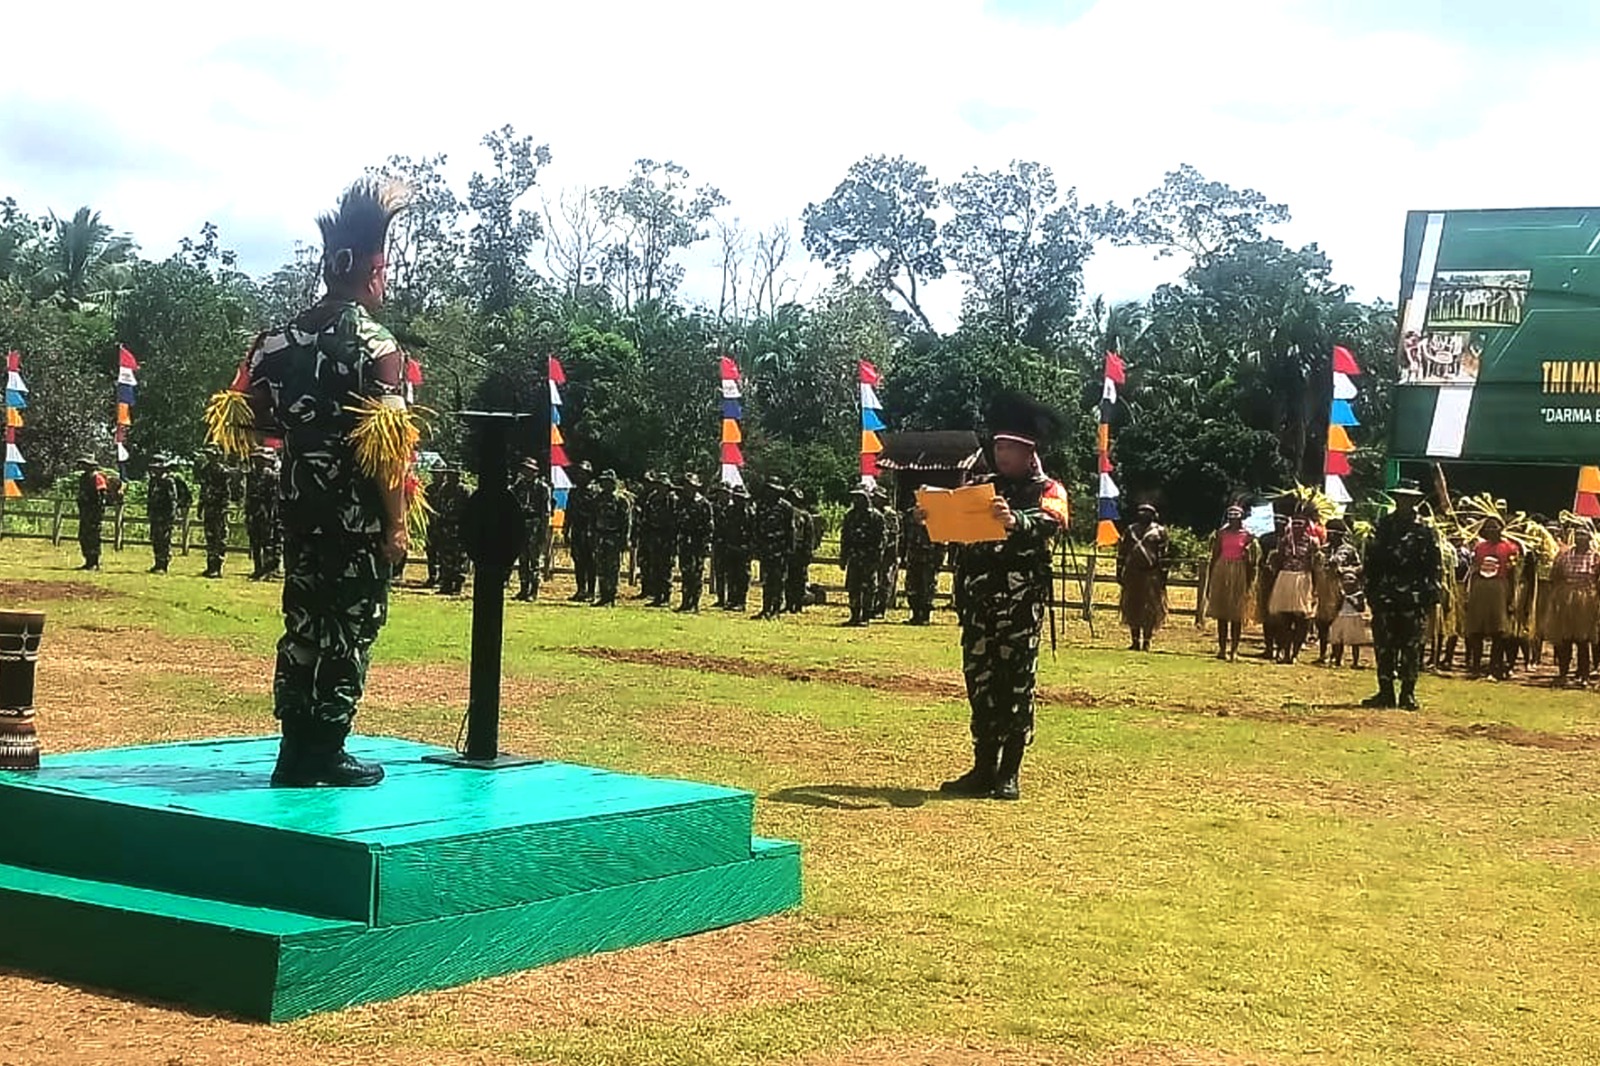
(860,549)
(612,520)
(534,500)
(889,560)
(695,524)
(1403,571)
(261,513)
(806,534)
(218,491)
(316,380)
(92,493)
(1002,592)
(923,557)
(774,542)
(448,497)
(166,498)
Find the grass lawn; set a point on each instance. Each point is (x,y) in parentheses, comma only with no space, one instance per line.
(1211,864)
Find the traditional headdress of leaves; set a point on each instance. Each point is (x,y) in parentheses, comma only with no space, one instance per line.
(356,234)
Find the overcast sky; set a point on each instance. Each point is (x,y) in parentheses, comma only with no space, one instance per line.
(1350,111)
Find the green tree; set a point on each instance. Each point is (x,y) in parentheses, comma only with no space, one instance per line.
(426,245)
(653,215)
(65,354)
(502,239)
(882,210)
(82,260)
(1191,215)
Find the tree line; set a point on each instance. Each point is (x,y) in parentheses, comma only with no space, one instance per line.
(1228,379)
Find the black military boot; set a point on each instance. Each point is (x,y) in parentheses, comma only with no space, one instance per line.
(1005,785)
(1383,698)
(978,781)
(1408,698)
(316,757)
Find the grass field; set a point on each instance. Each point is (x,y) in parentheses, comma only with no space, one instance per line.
(1211,864)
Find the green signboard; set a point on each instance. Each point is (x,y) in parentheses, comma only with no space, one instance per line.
(1499,344)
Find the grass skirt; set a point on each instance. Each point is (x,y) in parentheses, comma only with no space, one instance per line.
(1293,593)
(1570,613)
(1486,612)
(1228,594)
(1143,600)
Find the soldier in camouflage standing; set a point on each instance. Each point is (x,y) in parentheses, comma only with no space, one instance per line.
(534,500)
(612,519)
(218,490)
(696,525)
(735,531)
(345,528)
(1403,571)
(1002,592)
(448,497)
(657,534)
(92,491)
(774,542)
(580,530)
(889,561)
(806,538)
(860,548)
(923,557)
(261,513)
(166,498)
(721,503)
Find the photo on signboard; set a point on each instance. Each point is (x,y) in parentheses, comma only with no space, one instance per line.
(1440,357)
(1468,299)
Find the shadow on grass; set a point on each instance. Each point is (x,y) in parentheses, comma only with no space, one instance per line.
(855,797)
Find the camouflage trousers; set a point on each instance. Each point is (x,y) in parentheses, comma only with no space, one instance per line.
(262,529)
(452,562)
(89,530)
(798,577)
(216,522)
(530,561)
(922,581)
(692,569)
(1397,645)
(774,572)
(861,587)
(735,576)
(655,568)
(607,569)
(1000,659)
(888,579)
(161,541)
(335,599)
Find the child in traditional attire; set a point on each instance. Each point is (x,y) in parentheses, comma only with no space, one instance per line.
(1341,556)
(1573,604)
(1228,581)
(1294,601)
(1352,627)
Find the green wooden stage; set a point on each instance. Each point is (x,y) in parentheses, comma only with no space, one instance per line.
(173,871)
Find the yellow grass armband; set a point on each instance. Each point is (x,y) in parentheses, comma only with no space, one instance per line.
(385,439)
(230,423)
(418,510)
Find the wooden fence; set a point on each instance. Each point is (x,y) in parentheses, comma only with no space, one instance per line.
(1083,575)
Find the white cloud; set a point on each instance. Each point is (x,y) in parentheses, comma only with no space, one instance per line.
(255,117)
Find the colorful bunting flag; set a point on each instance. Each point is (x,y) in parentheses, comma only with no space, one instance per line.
(1587,502)
(560,483)
(871,421)
(16,399)
(1116,373)
(1341,415)
(732,432)
(126,385)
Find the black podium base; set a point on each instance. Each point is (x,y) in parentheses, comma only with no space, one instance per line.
(504,761)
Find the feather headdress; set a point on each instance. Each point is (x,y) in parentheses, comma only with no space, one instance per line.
(358,231)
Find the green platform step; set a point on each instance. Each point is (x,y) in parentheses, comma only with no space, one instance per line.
(172,871)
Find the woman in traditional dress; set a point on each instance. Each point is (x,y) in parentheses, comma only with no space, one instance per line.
(1142,573)
(1573,604)
(1294,599)
(1228,581)
(1491,595)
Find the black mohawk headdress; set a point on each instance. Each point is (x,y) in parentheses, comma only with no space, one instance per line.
(357,232)
(1013,416)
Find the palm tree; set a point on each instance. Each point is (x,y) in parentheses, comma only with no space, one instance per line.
(83,260)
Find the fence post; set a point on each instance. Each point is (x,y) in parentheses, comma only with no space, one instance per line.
(183,542)
(55,525)
(1088,586)
(1201,589)
(116,526)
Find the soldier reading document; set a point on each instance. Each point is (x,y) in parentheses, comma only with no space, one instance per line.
(961,516)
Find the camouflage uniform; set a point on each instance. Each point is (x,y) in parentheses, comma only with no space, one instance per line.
(695,524)
(261,516)
(449,500)
(579,528)
(721,504)
(922,558)
(217,492)
(1002,590)
(774,542)
(889,560)
(734,530)
(166,498)
(1403,567)
(92,491)
(806,529)
(612,518)
(860,548)
(657,534)
(534,500)
(303,379)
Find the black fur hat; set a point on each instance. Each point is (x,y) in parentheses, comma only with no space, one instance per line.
(1013,416)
